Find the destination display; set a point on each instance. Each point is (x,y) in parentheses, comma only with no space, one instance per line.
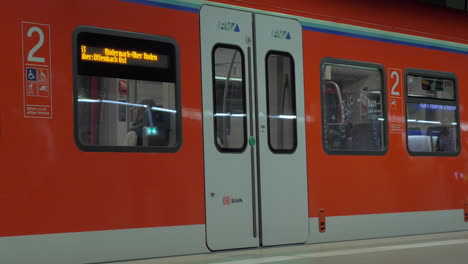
(124,57)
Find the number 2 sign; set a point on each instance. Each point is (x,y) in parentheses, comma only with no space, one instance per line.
(395,80)
(37,90)
(396,104)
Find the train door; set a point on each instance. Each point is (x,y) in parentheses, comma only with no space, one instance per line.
(254,132)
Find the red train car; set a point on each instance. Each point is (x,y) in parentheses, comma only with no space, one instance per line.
(145,128)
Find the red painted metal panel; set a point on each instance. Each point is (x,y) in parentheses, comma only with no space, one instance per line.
(395,182)
(47,184)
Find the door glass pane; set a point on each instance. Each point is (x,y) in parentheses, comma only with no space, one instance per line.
(229,99)
(281,105)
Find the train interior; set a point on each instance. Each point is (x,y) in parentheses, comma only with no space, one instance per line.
(230,112)
(125,112)
(432,120)
(353,112)
(230,109)
(281,102)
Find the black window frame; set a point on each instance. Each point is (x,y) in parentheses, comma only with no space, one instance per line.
(293,81)
(174,71)
(213,74)
(381,68)
(408,99)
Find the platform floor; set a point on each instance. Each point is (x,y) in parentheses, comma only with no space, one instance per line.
(446,248)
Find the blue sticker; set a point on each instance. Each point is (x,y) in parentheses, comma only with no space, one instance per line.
(228,26)
(31,74)
(281,34)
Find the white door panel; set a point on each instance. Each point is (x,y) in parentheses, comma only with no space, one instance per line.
(283,176)
(248,182)
(230,216)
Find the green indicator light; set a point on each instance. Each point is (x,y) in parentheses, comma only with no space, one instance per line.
(252,141)
(151,131)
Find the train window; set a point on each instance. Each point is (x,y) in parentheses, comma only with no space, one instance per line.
(432,114)
(419,86)
(229,99)
(353,108)
(126,92)
(281,103)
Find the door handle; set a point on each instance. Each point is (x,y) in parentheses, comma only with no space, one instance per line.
(252,142)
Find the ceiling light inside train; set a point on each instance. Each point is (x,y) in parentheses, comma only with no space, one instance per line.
(424,121)
(231,79)
(283,116)
(86,100)
(228,114)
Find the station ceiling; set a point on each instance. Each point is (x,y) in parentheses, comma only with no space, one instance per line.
(455,4)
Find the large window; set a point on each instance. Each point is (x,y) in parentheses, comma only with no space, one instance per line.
(432,113)
(353,108)
(126,92)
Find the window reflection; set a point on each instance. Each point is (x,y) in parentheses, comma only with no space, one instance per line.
(432,128)
(229,99)
(281,102)
(353,108)
(118,112)
(432,111)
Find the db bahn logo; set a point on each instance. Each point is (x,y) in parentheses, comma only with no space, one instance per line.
(281,34)
(228,26)
(228,200)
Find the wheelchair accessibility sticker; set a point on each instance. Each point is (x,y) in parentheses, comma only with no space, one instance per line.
(36,67)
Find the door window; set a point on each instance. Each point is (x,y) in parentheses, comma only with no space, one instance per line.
(229,99)
(281,103)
